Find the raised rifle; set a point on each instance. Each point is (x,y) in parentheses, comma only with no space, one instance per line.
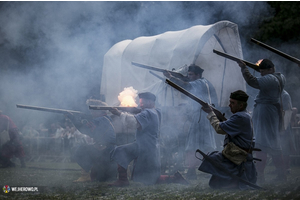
(291,58)
(218,113)
(133,110)
(175,74)
(54,110)
(249,64)
(157,76)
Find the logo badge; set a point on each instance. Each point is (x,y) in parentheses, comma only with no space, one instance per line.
(6,189)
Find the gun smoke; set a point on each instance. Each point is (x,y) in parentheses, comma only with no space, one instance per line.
(52,52)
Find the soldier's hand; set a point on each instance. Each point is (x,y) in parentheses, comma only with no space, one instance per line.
(167,74)
(206,108)
(241,63)
(115,111)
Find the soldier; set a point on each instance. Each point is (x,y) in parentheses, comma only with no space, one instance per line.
(145,150)
(201,134)
(94,158)
(239,131)
(267,116)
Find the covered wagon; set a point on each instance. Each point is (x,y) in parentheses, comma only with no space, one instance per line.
(174,51)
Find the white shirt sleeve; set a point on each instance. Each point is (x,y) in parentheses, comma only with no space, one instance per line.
(215,123)
(129,120)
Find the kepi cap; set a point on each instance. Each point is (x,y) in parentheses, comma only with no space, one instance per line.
(239,95)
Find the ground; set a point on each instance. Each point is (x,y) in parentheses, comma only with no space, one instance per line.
(54,181)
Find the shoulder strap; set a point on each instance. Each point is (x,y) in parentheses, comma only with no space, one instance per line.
(280,82)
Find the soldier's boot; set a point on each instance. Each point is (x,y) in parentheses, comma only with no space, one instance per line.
(85,177)
(122,181)
(176,178)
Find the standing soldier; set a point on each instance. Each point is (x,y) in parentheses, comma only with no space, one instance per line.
(201,134)
(267,116)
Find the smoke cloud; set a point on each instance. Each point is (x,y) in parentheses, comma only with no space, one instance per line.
(52,52)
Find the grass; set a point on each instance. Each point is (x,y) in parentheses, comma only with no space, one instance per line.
(54,181)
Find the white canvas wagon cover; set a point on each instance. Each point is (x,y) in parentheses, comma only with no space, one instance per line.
(174,50)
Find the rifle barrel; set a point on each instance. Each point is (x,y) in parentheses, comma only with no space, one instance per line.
(249,64)
(126,109)
(201,102)
(291,58)
(48,109)
(147,67)
(175,74)
(185,92)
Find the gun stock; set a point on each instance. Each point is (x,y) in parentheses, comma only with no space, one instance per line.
(126,109)
(249,64)
(218,113)
(53,110)
(175,74)
(291,58)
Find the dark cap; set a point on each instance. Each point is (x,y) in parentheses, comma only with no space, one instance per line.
(239,95)
(266,64)
(196,69)
(147,95)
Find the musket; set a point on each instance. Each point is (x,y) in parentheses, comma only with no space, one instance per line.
(125,109)
(53,110)
(175,74)
(291,58)
(157,76)
(218,113)
(249,64)
(235,177)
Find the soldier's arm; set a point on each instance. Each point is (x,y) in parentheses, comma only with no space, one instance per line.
(129,120)
(214,121)
(178,81)
(249,78)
